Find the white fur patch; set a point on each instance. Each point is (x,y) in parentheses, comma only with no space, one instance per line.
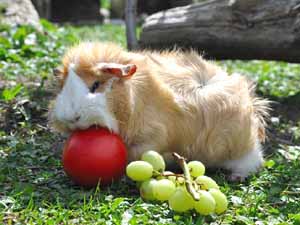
(249,163)
(75,101)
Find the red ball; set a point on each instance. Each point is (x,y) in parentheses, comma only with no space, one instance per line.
(94,155)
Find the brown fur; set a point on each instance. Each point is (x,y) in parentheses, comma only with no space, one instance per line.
(176,101)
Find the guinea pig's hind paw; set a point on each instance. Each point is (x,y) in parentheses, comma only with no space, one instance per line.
(236,177)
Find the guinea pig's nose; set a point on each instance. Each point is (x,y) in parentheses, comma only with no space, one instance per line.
(77,118)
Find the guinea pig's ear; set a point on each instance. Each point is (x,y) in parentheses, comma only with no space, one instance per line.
(119,70)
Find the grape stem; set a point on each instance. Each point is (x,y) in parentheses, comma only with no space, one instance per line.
(171,175)
(187,176)
(157,174)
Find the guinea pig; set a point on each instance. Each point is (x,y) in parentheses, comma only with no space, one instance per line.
(169,101)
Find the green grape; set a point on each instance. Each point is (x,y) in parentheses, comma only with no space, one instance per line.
(220,199)
(180,181)
(206,205)
(181,200)
(163,189)
(146,189)
(196,168)
(206,183)
(173,179)
(155,159)
(139,170)
(166,175)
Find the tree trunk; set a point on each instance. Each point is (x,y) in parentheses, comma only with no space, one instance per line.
(229,29)
(130,14)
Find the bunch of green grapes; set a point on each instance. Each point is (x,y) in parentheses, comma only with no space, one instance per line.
(156,184)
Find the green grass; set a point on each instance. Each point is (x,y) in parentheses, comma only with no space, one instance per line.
(35,190)
(106,32)
(275,79)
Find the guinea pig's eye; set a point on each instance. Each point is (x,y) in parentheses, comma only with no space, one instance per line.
(95,86)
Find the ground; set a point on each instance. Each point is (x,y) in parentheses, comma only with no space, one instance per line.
(35,190)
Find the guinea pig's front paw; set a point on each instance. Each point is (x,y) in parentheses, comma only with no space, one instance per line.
(135,152)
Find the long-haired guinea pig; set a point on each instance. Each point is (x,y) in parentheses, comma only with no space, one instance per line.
(169,101)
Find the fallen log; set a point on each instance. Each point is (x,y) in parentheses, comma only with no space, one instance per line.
(229,29)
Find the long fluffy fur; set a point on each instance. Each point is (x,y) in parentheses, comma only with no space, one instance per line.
(177,101)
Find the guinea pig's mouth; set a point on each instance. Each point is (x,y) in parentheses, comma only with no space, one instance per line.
(96,126)
(68,127)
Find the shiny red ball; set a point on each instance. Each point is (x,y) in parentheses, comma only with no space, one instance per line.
(94,156)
